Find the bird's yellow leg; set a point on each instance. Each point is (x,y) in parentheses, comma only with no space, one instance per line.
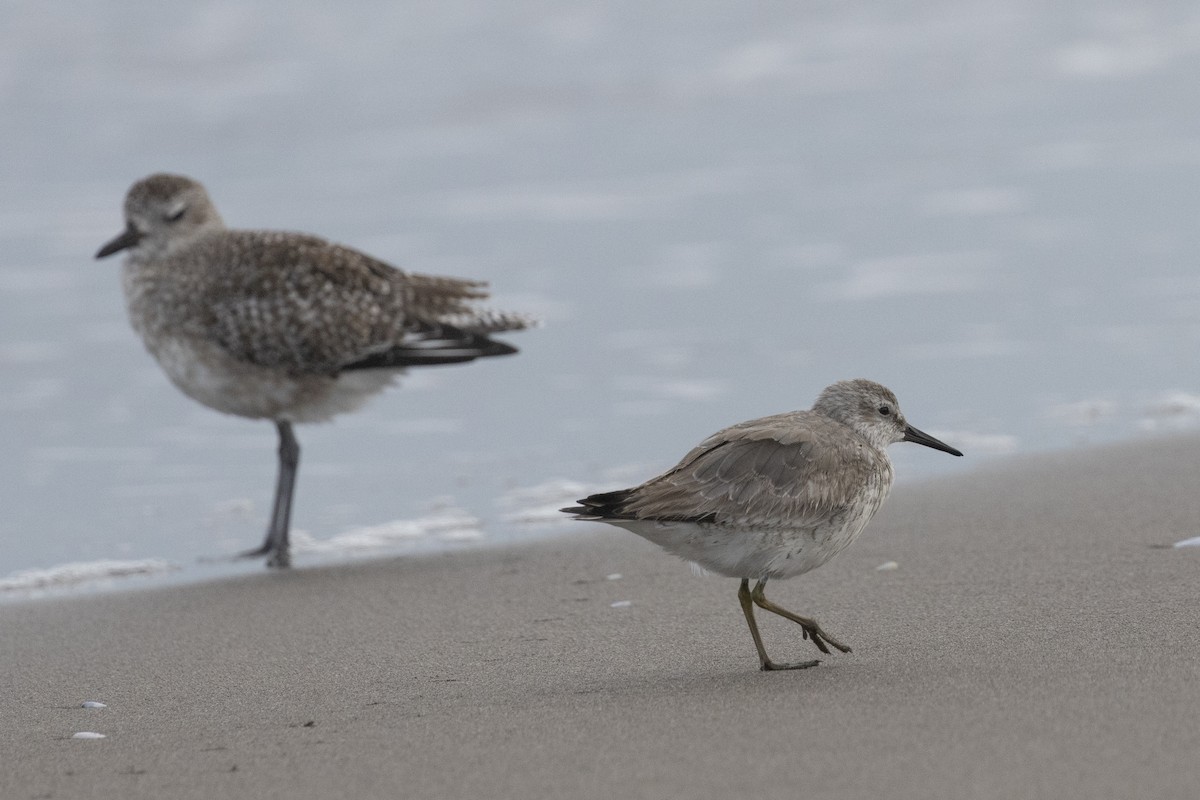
(811,629)
(747,601)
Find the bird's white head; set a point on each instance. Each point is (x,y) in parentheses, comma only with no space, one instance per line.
(872,410)
(162,214)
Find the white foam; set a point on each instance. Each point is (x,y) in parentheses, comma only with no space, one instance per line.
(1172,411)
(447,524)
(82,572)
(541,502)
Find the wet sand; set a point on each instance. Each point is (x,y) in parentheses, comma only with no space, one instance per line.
(1035,640)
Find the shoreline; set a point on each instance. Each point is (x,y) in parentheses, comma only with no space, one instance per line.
(104,577)
(1035,639)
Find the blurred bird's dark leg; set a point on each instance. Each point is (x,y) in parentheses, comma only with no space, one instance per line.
(281,517)
(276,543)
(747,601)
(811,629)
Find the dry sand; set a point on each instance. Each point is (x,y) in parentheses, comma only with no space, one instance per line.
(1035,641)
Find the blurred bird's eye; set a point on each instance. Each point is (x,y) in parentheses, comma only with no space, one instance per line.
(885,410)
(175,216)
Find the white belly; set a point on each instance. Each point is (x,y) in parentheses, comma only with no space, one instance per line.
(753,553)
(205,373)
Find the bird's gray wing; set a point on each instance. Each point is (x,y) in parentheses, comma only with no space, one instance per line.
(303,304)
(793,469)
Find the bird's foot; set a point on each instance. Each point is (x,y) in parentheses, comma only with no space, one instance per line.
(257,552)
(279,559)
(769,666)
(822,639)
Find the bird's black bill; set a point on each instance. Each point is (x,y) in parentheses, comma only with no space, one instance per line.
(911,434)
(128,238)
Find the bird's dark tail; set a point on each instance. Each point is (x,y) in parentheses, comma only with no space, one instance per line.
(432,346)
(606,505)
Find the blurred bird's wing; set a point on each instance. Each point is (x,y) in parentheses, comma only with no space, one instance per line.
(300,303)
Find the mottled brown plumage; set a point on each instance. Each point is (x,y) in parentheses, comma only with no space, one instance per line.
(284,326)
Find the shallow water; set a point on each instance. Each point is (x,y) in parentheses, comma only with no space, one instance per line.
(717,209)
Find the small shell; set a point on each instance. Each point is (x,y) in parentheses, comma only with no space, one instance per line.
(621,604)
(887,565)
(94,704)
(88,735)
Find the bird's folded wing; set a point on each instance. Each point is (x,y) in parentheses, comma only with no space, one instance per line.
(303,304)
(749,477)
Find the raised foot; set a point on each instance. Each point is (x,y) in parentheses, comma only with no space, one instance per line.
(822,639)
(809,626)
(769,666)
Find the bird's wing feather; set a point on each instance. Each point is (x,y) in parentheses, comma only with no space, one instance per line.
(301,303)
(450,301)
(793,469)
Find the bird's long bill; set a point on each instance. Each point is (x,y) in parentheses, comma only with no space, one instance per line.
(911,434)
(127,238)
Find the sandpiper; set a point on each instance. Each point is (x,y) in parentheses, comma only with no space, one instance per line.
(283,326)
(773,497)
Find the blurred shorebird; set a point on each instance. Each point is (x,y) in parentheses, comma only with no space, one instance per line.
(773,497)
(283,326)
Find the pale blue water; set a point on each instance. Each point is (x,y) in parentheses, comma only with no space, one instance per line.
(718,208)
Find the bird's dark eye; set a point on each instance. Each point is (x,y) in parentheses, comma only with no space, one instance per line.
(175,216)
(885,410)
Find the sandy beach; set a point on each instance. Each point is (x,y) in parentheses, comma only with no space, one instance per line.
(1036,639)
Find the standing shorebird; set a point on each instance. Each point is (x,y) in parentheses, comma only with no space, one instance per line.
(773,497)
(283,326)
